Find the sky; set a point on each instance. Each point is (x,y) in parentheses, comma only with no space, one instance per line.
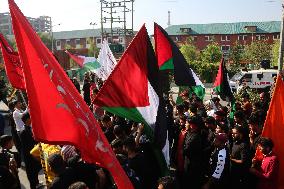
(77,14)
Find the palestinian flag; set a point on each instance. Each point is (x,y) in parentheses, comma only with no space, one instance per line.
(86,63)
(132,91)
(221,84)
(170,58)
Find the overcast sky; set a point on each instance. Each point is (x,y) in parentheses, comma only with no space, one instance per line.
(77,14)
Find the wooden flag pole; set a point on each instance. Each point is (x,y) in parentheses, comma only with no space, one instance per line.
(23,98)
(43,165)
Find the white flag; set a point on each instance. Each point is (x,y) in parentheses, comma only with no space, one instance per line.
(106,60)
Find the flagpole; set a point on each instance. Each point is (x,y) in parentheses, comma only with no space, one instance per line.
(23,98)
(43,165)
(281,47)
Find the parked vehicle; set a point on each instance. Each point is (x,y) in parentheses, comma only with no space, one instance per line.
(254,79)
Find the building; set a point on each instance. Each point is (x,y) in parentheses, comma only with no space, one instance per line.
(5,24)
(225,34)
(40,24)
(80,39)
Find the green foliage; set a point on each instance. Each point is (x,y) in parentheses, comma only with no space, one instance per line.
(210,59)
(275,53)
(212,53)
(46,39)
(189,51)
(256,52)
(206,63)
(93,51)
(235,57)
(67,47)
(253,94)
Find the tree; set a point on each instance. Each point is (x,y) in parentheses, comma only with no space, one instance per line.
(235,58)
(212,53)
(189,51)
(93,51)
(256,52)
(209,62)
(275,53)
(46,39)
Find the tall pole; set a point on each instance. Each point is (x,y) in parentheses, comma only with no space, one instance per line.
(281,47)
(111,21)
(102,26)
(51,35)
(132,14)
(124,11)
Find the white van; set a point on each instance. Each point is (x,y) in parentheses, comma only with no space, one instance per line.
(254,79)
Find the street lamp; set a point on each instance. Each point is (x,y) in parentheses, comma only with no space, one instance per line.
(51,30)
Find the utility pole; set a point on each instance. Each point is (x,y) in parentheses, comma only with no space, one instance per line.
(114,13)
(281,47)
(169,18)
(102,24)
(132,16)
(51,30)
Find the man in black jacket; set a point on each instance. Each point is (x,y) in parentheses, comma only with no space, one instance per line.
(33,166)
(192,150)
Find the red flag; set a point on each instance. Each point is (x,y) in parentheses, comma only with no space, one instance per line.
(59,114)
(221,84)
(79,60)
(274,127)
(12,64)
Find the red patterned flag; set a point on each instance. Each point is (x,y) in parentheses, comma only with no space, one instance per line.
(12,64)
(59,114)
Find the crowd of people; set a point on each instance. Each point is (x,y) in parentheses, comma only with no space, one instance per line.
(211,146)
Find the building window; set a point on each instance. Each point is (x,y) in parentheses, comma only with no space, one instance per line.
(276,36)
(251,28)
(257,37)
(177,38)
(99,40)
(120,40)
(194,38)
(225,47)
(77,41)
(225,38)
(185,30)
(228,38)
(242,37)
(68,42)
(209,38)
(58,43)
(109,40)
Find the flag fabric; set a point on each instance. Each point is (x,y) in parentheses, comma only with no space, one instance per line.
(132,90)
(169,57)
(13,65)
(274,127)
(58,113)
(87,63)
(106,60)
(221,84)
